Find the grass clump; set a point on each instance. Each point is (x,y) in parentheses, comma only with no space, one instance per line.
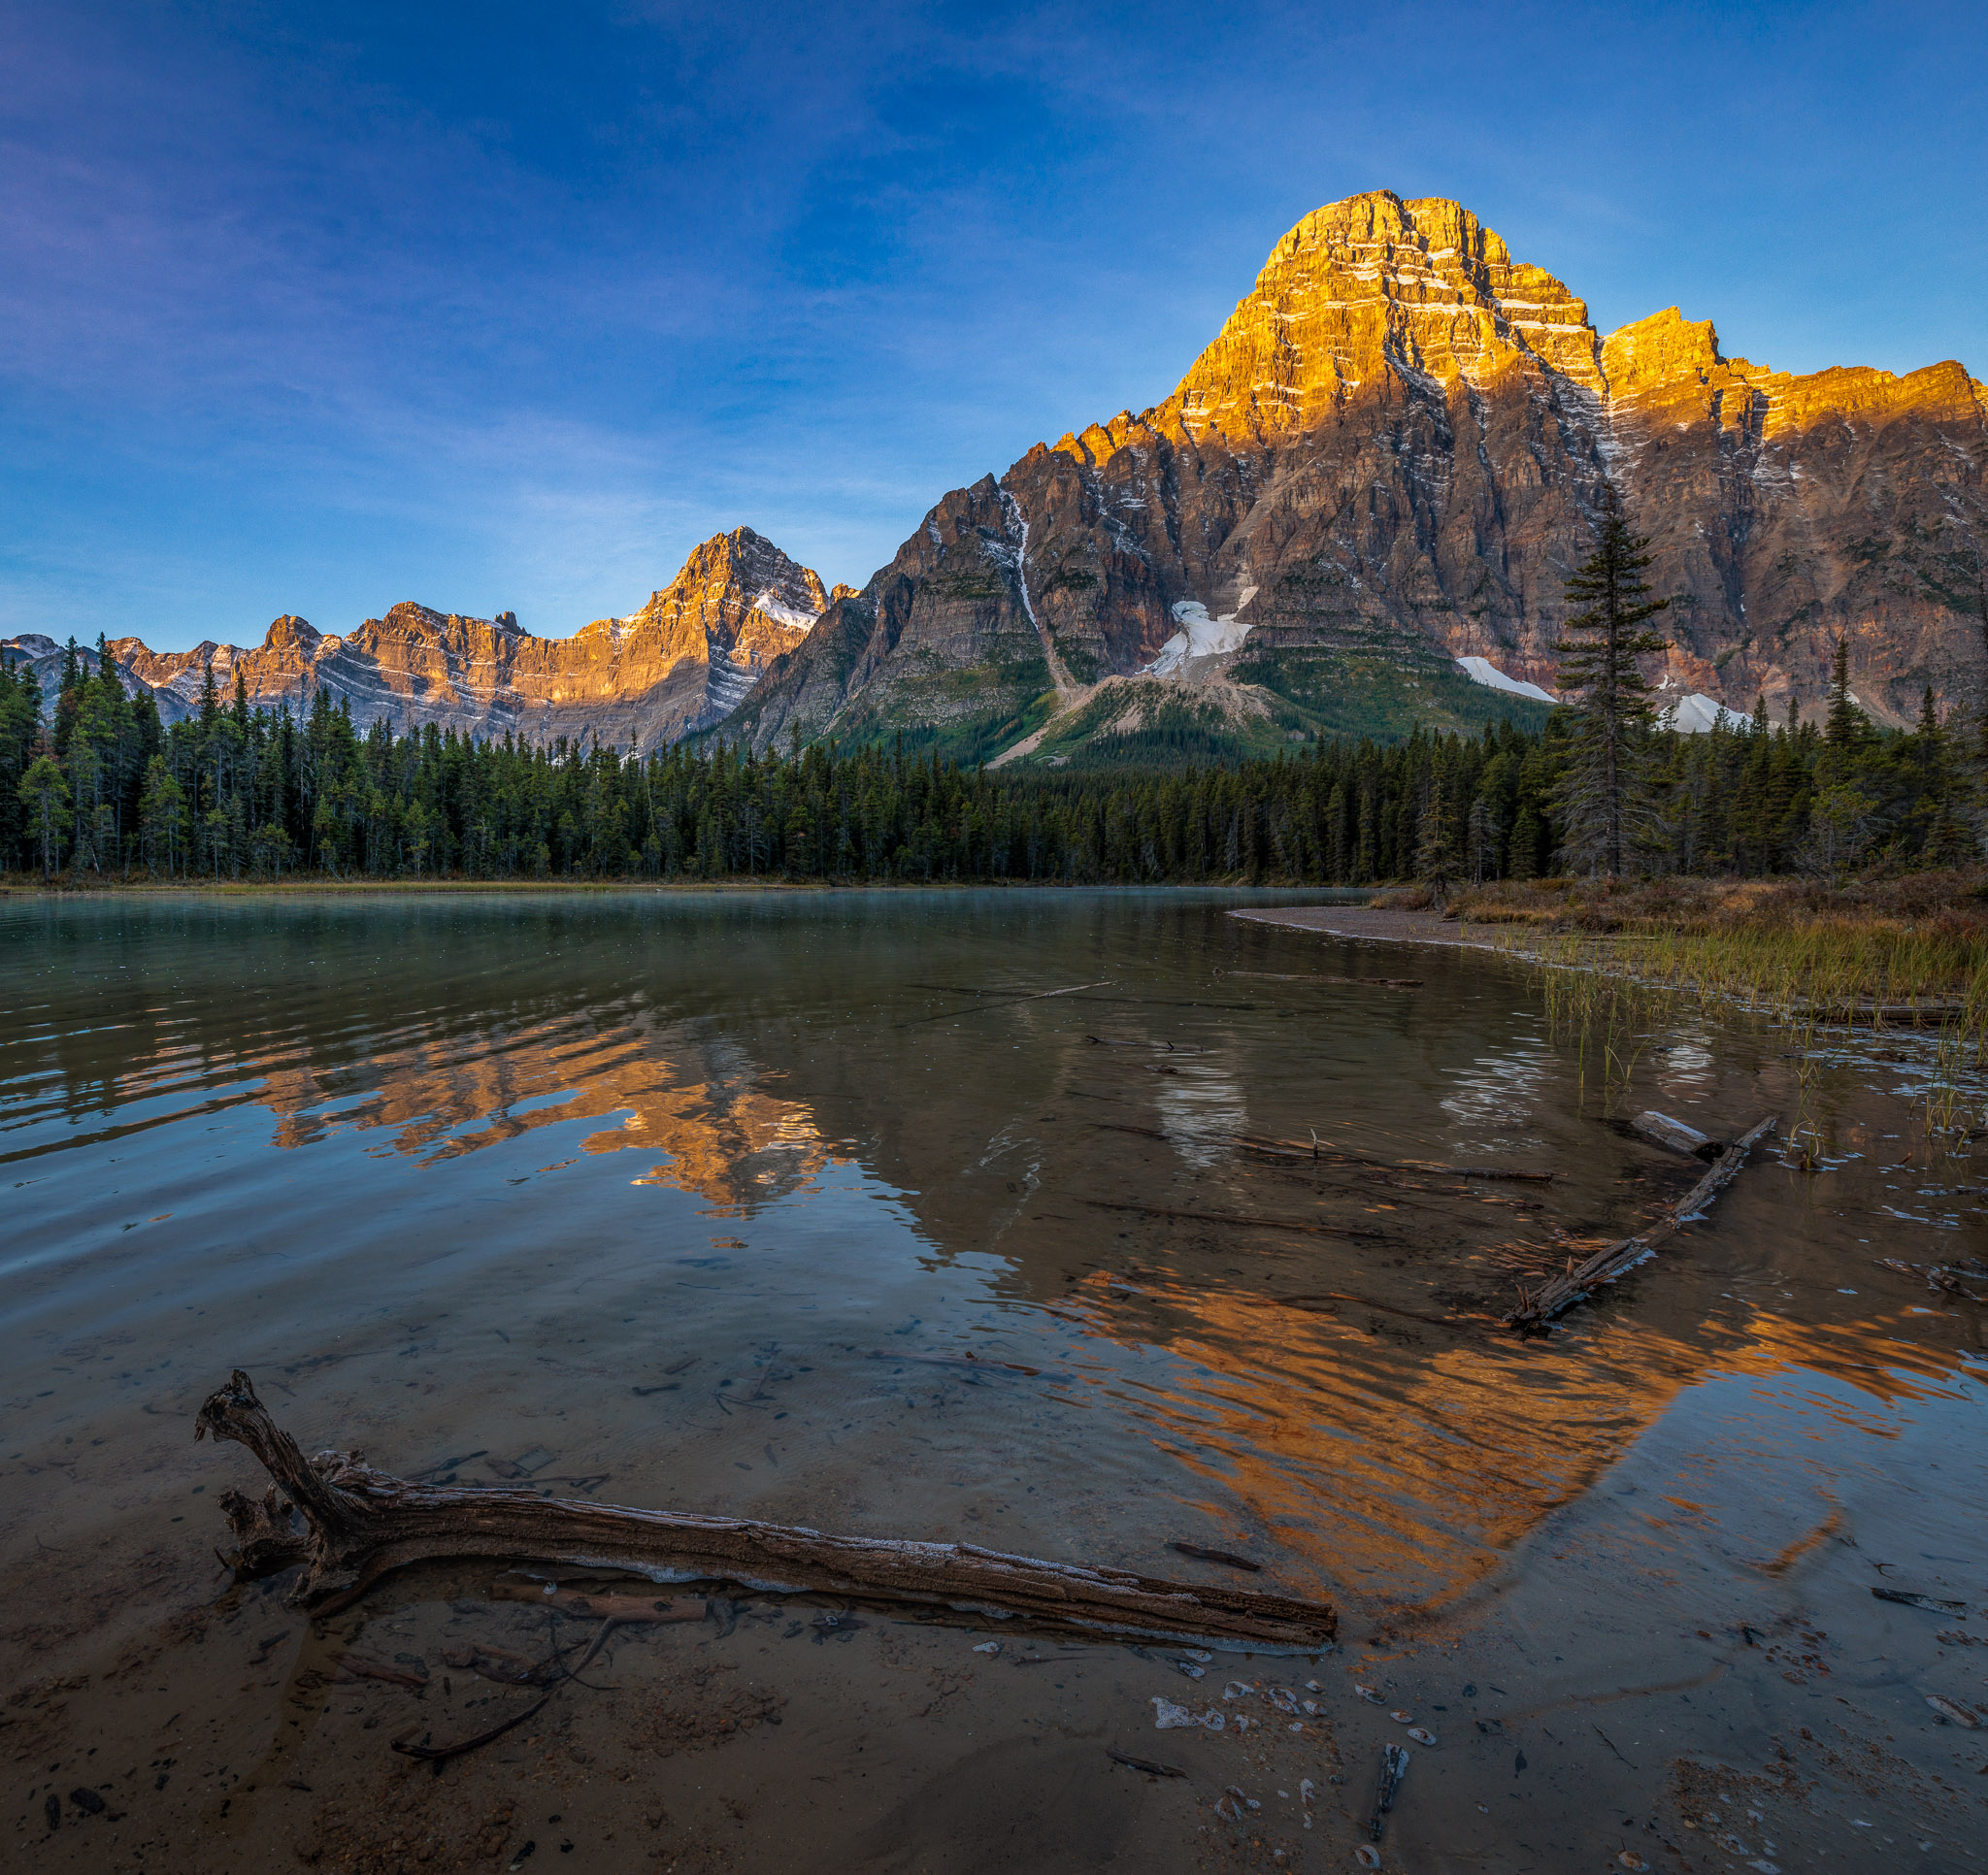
(1786,947)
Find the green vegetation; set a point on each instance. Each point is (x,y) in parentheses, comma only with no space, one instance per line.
(965,716)
(1905,953)
(1788,947)
(1381,691)
(236,793)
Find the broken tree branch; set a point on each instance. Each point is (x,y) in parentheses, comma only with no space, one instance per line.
(361,1523)
(1557,1297)
(1002,1001)
(1315,977)
(1245,1223)
(1323,1152)
(1324,1148)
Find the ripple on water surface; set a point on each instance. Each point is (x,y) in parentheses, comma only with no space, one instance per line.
(1071,1224)
(495,1132)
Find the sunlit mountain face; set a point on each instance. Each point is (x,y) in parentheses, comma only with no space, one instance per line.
(1385,463)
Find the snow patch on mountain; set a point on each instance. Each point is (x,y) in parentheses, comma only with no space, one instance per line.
(1200,636)
(1699,715)
(782,613)
(1484,670)
(729,682)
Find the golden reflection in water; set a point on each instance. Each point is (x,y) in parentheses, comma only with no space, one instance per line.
(1403,1460)
(699,1105)
(1863,1354)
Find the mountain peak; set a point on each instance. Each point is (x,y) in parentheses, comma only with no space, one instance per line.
(1379,294)
(290,632)
(1659,350)
(734,587)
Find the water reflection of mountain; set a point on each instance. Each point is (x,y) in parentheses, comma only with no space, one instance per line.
(1354,1398)
(443,1032)
(695,1106)
(1049,1091)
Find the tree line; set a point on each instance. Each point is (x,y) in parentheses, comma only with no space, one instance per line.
(103,790)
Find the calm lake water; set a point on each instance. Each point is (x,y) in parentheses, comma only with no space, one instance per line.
(701,1199)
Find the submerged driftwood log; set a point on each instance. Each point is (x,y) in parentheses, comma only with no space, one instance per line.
(359,1523)
(1540,1306)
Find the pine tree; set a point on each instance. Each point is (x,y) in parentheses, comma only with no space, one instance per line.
(1603,803)
(161,819)
(1845,725)
(1434,861)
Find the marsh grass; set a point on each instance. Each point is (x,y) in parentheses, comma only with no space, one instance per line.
(1908,956)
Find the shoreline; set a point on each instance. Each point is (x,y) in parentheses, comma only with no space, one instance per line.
(1381,924)
(256,888)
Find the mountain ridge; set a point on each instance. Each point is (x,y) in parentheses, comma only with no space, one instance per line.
(1365,491)
(677,663)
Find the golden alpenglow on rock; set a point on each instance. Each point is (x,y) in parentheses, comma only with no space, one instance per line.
(1373,285)
(677,665)
(1388,461)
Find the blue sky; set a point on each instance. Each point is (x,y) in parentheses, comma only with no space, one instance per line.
(315,309)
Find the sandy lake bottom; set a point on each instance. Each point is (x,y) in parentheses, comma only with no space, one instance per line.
(923,1215)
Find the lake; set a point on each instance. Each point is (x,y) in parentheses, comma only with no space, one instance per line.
(934,1214)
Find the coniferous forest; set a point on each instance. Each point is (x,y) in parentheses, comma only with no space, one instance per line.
(104,792)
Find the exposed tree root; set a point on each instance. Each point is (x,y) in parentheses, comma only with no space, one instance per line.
(359,1523)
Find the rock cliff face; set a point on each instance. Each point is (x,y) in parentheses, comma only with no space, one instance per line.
(679,663)
(1389,458)
(42,656)
(1785,511)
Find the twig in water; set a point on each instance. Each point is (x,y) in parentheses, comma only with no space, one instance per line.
(1150,1767)
(439,1755)
(1227,1557)
(993,1003)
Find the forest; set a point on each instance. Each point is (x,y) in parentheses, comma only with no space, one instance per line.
(102,791)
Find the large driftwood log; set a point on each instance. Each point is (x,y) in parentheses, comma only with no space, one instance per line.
(1556,1298)
(359,1523)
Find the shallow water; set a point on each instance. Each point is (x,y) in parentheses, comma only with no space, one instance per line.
(706,1200)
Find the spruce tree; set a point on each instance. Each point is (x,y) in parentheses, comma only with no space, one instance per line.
(45,794)
(1603,801)
(1846,724)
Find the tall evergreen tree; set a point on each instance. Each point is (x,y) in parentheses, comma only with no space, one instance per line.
(45,794)
(1603,800)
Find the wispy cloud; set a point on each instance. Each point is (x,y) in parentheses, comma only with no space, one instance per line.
(309,311)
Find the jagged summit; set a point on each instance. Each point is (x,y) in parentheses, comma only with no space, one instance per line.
(1376,284)
(679,663)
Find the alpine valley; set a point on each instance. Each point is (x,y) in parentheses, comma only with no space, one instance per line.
(1354,514)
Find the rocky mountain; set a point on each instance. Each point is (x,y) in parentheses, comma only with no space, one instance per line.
(1355,513)
(679,663)
(1388,461)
